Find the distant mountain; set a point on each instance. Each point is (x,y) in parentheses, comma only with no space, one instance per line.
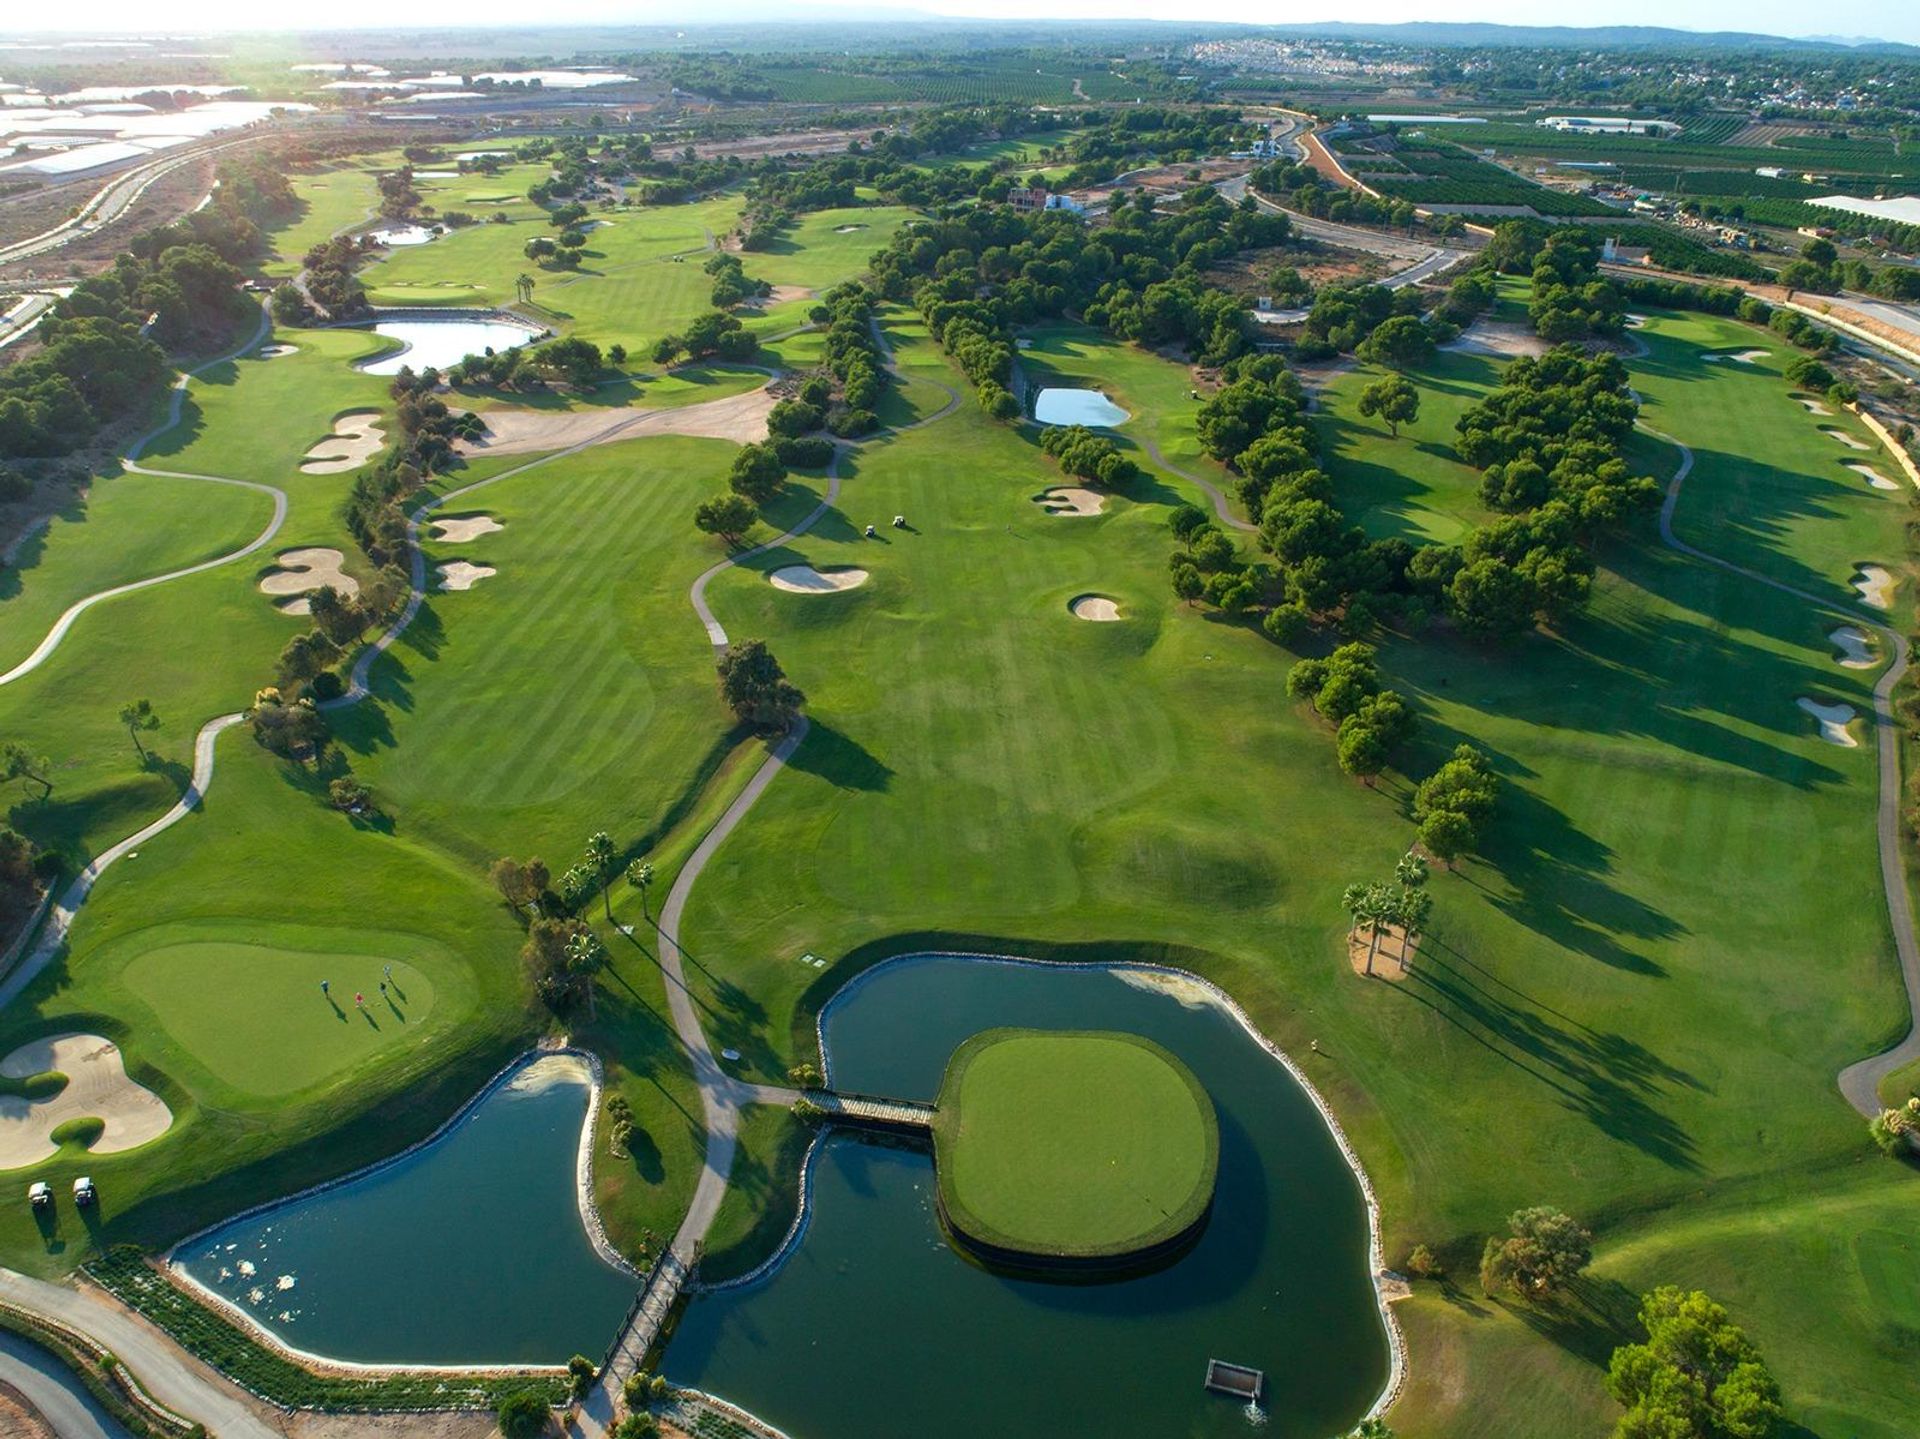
(1609,37)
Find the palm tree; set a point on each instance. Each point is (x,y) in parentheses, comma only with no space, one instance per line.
(1412,870)
(1412,908)
(1353,899)
(586,957)
(640,876)
(600,856)
(523,287)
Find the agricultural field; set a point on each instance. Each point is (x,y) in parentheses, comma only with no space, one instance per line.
(1446,175)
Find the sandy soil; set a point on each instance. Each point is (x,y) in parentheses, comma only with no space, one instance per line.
(781,294)
(1391,960)
(806,580)
(1875,586)
(1814,407)
(1855,653)
(1834,720)
(1071,500)
(1636,322)
(1097,608)
(274,352)
(459,575)
(740,418)
(1505,342)
(1740,357)
(1844,438)
(355,440)
(19,1419)
(459,529)
(303,570)
(1873,476)
(97,1087)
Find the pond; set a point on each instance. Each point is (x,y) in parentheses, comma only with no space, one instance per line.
(873,1325)
(469,1251)
(399,235)
(440,343)
(1077,407)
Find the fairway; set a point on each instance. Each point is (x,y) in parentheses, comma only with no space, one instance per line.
(1073,1146)
(255,1015)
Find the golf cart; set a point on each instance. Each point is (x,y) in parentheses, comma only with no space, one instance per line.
(83,1194)
(39,1196)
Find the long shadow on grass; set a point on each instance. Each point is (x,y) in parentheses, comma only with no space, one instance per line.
(1590,1319)
(839,759)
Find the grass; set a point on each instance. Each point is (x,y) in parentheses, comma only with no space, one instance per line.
(815,254)
(1072,1145)
(763,1193)
(333,198)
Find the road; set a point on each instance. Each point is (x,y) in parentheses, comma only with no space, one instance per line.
(51,1387)
(1425,260)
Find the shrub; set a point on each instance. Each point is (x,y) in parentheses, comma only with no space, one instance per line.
(804,452)
(524,1415)
(850,424)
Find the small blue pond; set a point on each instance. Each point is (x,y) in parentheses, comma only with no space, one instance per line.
(470,1251)
(1077,407)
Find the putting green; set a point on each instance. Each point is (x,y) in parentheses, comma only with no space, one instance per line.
(255,1016)
(1072,1146)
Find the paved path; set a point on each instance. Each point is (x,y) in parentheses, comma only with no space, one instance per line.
(1859,1082)
(181,1383)
(1213,491)
(716,632)
(65,623)
(50,1387)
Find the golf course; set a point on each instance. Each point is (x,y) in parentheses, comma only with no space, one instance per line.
(1058,910)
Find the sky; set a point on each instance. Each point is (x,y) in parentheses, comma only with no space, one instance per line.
(1882,19)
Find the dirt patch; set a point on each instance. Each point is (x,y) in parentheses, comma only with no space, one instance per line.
(1097,608)
(806,580)
(1505,342)
(1872,476)
(459,575)
(1875,585)
(1070,500)
(1834,721)
(459,529)
(740,418)
(19,1419)
(302,571)
(355,440)
(97,1087)
(1393,954)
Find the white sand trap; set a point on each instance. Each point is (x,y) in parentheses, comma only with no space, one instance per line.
(806,580)
(1855,653)
(459,575)
(1071,500)
(1814,407)
(1875,586)
(1097,608)
(847,229)
(302,571)
(460,529)
(97,1088)
(274,352)
(355,440)
(1873,476)
(1500,341)
(1834,720)
(1737,357)
(740,418)
(1844,438)
(1636,322)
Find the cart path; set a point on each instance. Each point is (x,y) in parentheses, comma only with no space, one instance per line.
(132,465)
(1859,1082)
(1213,491)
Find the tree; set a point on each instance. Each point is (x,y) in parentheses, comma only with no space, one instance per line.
(19,762)
(1398,343)
(640,876)
(135,716)
(757,473)
(1187,583)
(600,855)
(728,516)
(1394,399)
(756,689)
(1545,1250)
(523,287)
(1697,1376)
(586,957)
(524,1415)
(349,795)
(1370,905)
(1186,521)
(1446,834)
(521,883)
(1454,803)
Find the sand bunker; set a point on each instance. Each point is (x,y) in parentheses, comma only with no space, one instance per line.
(1873,476)
(302,571)
(1844,438)
(459,529)
(1737,357)
(1501,341)
(274,352)
(1814,407)
(1855,652)
(1834,720)
(1875,586)
(354,441)
(806,580)
(459,575)
(1097,608)
(740,418)
(97,1088)
(1636,322)
(1070,500)
(847,229)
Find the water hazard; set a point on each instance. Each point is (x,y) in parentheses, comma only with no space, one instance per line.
(440,343)
(1077,407)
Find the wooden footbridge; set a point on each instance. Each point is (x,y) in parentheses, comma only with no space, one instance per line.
(871,1112)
